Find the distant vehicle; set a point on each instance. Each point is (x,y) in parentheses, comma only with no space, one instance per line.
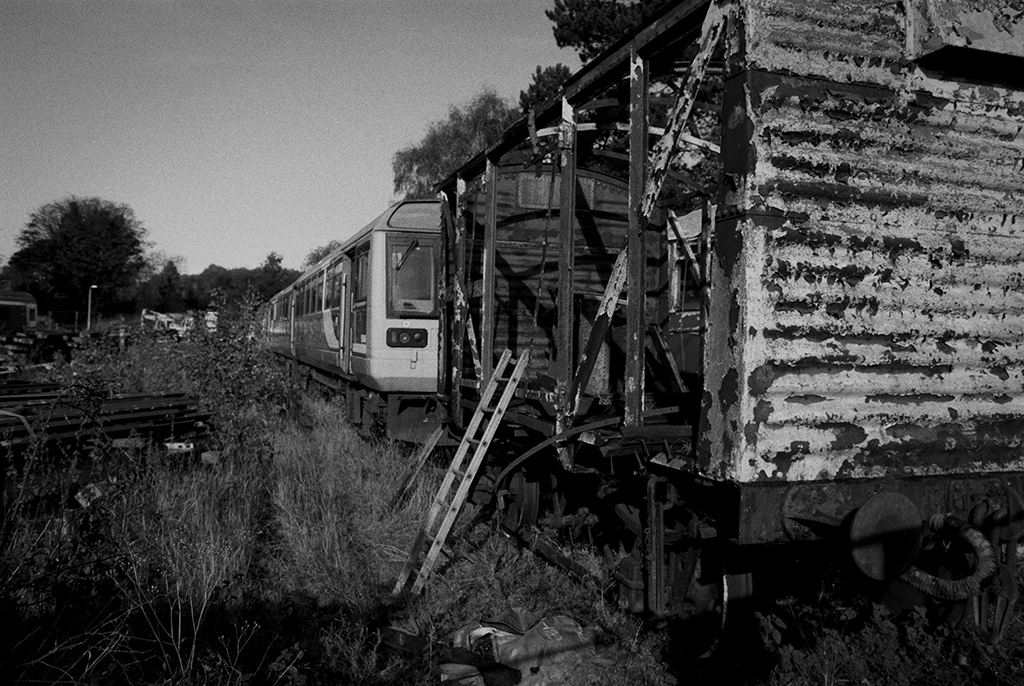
(18,313)
(364,321)
(176,325)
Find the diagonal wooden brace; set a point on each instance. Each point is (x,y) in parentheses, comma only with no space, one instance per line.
(612,293)
(665,148)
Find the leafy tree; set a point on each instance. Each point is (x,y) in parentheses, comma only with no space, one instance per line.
(272,277)
(468,129)
(590,26)
(164,291)
(69,245)
(546,86)
(317,254)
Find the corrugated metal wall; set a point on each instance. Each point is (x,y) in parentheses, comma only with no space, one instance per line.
(868,292)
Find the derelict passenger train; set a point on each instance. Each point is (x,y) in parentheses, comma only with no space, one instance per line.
(364,321)
(761,265)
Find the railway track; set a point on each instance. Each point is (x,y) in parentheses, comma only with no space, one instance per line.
(32,413)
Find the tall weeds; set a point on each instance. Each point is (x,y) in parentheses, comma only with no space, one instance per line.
(338,540)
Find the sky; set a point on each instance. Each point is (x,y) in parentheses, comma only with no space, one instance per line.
(237,128)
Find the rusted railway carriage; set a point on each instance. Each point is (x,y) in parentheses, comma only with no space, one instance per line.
(782,300)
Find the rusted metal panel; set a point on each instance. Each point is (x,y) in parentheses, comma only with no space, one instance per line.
(859,41)
(994,26)
(866,316)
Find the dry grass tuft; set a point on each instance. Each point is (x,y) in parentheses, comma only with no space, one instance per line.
(337,538)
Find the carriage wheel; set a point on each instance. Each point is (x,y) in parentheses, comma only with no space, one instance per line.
(522,506)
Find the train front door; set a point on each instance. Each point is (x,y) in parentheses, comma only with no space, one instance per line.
(344,275)
(291,323)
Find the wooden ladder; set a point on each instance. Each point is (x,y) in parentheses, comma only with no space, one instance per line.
(478,436)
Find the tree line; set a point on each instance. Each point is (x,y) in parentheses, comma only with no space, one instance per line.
(78,252)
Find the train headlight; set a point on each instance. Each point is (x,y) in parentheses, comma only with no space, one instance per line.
(407,338)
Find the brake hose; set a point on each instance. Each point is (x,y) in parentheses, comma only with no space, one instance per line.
(957,589)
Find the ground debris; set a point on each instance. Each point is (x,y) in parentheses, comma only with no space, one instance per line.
(515,648)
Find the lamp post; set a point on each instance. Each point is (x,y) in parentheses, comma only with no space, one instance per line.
(88,311)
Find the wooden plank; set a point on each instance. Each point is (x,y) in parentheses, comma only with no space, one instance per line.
(459,310)
(565,363)
(487,314)
(636,272)
(658,431)
(445,276)
(608,67)
(598,331)
(661,345)
(665,148)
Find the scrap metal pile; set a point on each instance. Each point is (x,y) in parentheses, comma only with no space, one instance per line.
(50,414)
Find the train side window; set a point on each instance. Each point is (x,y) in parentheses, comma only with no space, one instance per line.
(359,286)
(411,276)
(360,290)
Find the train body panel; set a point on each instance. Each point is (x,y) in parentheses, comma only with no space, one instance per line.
(18,313)
(364,319)
(868,274)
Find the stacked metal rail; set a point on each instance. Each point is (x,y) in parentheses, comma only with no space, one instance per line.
(31,412)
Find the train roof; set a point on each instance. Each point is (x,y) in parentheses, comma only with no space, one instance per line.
(16,297)
(407,215)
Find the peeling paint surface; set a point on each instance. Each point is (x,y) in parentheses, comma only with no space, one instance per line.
(877,278)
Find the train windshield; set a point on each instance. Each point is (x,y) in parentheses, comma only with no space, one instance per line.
(412,281)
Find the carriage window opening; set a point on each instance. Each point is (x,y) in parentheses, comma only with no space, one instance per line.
(360,290)
(538,192)
(411,278)
(415,215)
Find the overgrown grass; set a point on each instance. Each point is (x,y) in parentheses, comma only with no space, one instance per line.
(338,539)
(274,562)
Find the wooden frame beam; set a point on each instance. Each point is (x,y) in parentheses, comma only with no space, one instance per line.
(487,314)
(636,261)
(566,361)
